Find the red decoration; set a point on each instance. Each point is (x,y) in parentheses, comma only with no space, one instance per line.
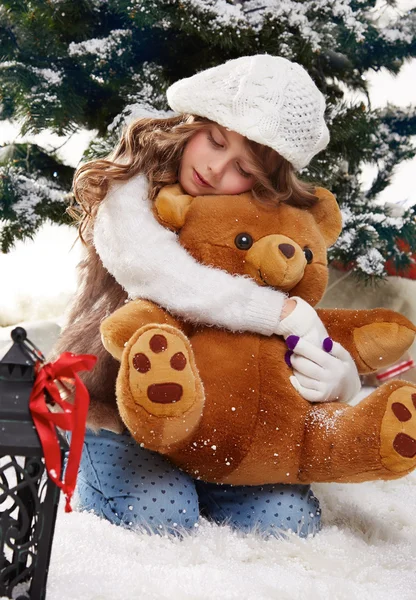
(395,370)
(72,418)
(410,272)
(404,369)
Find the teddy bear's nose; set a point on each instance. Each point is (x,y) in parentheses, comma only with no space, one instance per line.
(287,250)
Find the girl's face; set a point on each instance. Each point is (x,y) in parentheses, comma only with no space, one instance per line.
(216,161)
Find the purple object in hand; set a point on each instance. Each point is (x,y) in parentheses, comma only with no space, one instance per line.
(287,358)
(327,344)
(291,341)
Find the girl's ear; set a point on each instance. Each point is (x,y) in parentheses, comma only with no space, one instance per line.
(327,214)
(171,207)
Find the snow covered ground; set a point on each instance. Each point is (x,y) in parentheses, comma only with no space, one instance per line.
(366,551)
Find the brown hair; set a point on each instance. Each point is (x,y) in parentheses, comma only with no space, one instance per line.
(154,147)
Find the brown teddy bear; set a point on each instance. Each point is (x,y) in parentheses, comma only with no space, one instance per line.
(220,405)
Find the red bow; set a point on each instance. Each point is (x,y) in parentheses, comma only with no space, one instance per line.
(72,418)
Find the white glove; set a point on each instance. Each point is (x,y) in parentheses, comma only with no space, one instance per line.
(317,375)
(304,322)
(324,376)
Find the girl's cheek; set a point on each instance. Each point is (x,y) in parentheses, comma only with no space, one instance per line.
(238,185)
(246,186)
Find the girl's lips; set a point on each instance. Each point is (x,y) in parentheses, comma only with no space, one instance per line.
(198,179)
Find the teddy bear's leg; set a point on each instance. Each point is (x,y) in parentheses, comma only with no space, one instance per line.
(374,440)
(159,392)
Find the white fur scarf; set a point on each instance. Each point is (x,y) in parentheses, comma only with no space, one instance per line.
(148,262)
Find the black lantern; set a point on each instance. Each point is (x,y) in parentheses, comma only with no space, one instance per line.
(28,497)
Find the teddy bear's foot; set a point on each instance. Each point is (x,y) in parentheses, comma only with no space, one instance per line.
(159,391)
(163,371)
(163,376)
(398,431)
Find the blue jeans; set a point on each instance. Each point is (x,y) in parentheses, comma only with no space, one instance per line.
(134,487)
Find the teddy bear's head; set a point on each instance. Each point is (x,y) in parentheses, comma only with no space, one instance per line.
(277,245)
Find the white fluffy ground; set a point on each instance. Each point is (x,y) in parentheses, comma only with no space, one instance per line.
(366,550)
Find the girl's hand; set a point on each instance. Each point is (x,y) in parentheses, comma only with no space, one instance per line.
(323,371)
(323,375)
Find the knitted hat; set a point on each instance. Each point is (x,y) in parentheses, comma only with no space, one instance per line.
(268,99)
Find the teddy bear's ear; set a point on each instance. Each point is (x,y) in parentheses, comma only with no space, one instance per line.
(327,214)
(171,206)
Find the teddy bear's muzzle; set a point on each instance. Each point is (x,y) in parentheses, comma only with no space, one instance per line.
(276,261)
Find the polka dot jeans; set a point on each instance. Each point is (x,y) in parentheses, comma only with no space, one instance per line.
(137,488)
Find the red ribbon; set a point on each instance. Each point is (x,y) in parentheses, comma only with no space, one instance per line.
(72,418)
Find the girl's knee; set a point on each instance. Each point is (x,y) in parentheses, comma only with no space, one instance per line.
(133,487)
(153,519)
(268,509)
(166,509)
(155,511)
(309,523)
(295,509)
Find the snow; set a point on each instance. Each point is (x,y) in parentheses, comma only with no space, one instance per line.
(324,421)
(366,550)
(51,77)
(102,48)
(32,192)
(302,15)
(225,12)
(372,262)
(39,275)
(143,100)
(70,147)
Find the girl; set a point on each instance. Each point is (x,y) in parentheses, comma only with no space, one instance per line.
(244,125)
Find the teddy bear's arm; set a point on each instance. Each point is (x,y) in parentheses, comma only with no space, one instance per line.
(375,338)
(118,328)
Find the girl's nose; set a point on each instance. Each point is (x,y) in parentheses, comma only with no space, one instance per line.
(217,166)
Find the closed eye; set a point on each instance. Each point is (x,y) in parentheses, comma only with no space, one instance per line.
(243,173)
(217,145)
(213,142)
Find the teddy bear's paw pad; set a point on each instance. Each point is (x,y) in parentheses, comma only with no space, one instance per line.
(398,431)
(163,372)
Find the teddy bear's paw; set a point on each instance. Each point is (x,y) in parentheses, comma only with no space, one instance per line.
(398,431)
(381,344)
(163,375)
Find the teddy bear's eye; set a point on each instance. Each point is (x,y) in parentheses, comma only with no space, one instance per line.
(243,241)
(308,254)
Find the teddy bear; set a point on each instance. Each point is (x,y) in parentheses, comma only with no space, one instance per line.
(219,404)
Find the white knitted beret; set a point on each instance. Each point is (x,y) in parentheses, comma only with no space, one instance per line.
(268,99)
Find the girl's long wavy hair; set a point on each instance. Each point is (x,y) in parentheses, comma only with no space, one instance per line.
(154,147)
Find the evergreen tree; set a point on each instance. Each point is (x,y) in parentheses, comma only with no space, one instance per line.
(96,64)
